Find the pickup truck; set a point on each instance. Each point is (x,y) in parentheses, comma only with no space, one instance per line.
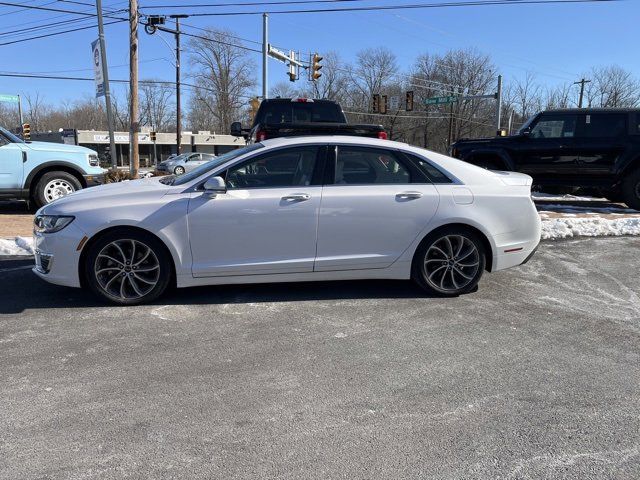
(595,150)
(293,117)
(42,172)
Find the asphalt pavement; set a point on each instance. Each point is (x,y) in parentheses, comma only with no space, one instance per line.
(534,376)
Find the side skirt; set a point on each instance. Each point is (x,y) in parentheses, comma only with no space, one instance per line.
(397,271)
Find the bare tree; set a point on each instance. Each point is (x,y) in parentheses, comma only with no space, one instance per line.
(374,68)
(36,110)
(225,72)
(612,86)
(285,90)
(156,107)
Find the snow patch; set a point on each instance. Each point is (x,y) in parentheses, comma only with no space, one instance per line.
(16,246)
(588,227)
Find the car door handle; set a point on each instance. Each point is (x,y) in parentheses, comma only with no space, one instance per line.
(296,197)
(408,195)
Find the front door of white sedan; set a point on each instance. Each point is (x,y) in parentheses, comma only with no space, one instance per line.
(373,208)
(267,221)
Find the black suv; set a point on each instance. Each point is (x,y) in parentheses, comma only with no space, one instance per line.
(597,150)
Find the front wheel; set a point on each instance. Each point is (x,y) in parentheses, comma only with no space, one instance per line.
(449,262)
(128,268)
(54,185)
(178,170)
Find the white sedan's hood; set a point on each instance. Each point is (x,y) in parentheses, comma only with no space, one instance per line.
(120,193)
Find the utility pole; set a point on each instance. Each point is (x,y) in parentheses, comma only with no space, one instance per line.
(178,109)
(134,154)
(499,106)
(20,111)
(581,83)
(107,91)
(265,53)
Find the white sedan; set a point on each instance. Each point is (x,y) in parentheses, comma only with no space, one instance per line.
(296,209)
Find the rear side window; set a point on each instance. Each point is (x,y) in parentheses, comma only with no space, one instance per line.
(433,173)
(368,166)
(605,125)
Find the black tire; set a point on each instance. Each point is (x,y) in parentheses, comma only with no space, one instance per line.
(631,189)
(53,184)
(458,277)
(179,170)
(106,269)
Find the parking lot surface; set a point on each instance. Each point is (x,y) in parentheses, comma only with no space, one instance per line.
(535,375)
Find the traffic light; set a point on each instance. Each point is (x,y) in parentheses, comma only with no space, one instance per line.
(375,104)
(254,104)
(315,67)
(409,101)
(384,104)
(152,136)
(26,131)
(293,68)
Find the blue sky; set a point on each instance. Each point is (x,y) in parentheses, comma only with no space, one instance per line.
(556,42)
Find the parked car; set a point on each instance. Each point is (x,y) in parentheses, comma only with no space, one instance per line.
(293,117)
(298,209)
(591,148)
(43,172)
(185,162)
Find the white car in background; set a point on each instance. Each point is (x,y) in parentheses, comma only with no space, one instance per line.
(294,209)
(185,163)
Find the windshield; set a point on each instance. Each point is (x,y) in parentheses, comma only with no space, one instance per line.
(177,158)
(526,124)
(213,164)
(10,136)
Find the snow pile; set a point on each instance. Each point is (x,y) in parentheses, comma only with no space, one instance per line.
(553,228)
(564,196)
(16,246)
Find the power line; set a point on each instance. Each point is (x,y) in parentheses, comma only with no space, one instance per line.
(249,4)
(471,3)
(46,35)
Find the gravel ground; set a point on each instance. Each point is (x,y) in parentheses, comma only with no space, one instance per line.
(534,376)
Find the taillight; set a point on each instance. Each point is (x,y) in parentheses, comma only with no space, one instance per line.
(383,135)
(261,135)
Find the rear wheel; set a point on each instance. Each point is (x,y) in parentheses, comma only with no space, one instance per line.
(631,189)
(449,262)
(128,268)
(178,170)
(54,185)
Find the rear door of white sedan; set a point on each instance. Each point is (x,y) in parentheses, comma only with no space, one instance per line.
(267,221)
(374,204)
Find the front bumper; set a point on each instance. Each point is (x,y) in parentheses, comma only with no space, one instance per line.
(93,180)
(57,256)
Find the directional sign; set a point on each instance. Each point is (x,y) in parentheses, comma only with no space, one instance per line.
(9,98)
(440,100)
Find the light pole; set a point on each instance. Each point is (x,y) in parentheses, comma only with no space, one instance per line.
(178,113)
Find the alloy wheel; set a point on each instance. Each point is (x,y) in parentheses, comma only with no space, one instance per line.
(451,263)
(57,188)
(179,170)
(127,269)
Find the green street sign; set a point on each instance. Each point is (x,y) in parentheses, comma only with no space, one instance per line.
(8,98)
(440,100)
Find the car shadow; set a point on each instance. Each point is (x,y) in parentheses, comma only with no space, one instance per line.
(21,290)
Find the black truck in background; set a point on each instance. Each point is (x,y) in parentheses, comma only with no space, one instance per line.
(594,150)
(293,117)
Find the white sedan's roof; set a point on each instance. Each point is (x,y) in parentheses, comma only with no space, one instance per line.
(466,172)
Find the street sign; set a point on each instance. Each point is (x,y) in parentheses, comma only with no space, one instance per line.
(97,67)
(394,102)
(441,100)
(9,98)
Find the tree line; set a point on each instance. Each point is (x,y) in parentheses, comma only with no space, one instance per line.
(223,78)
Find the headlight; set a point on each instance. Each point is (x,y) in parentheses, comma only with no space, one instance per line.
(93,160)
(51,223)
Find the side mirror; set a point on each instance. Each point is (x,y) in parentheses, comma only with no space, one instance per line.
(236,129)
(526,132)
(215,186)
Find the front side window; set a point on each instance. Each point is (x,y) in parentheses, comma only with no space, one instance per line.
(289,167)
(605,125)
(555,126)
(365,166)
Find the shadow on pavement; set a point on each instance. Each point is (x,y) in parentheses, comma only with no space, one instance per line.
(21,290)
